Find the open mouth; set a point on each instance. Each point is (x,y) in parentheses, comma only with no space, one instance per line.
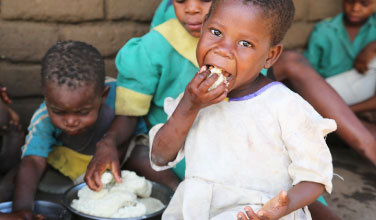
(223,76)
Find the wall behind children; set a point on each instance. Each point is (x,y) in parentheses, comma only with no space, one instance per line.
(29,27)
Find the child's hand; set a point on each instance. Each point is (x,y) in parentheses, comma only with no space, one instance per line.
(274,209)
(3,95)
(364,57)
(105,158)
(197,94)
(18,215)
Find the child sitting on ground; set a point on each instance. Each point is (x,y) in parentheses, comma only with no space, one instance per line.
(344,42)
(152,67)
(343,50)
(11,140)
(265,146)
(77,111)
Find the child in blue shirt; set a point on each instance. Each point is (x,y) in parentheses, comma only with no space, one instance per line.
(77,112)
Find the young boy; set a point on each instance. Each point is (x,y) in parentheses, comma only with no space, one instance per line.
(77,111)
(11,140)
(348,41)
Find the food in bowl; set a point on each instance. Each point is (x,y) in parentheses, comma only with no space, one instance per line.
(128,199)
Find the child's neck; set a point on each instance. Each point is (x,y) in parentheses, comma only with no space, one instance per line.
(352,28)
(250,88)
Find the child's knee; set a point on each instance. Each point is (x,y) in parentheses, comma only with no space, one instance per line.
(288,64)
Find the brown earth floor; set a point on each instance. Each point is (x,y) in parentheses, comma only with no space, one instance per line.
(353,198)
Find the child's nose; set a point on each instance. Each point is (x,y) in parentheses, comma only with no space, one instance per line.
(356,6)
(71,121)
(192,7)
(224,49)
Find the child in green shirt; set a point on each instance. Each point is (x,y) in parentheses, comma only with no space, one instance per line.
(342,48)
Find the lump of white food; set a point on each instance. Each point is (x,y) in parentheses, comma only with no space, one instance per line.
(152,204)
(221,77)
(106,178)
(118,200)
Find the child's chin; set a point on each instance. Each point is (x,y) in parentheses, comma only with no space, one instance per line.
(73,133)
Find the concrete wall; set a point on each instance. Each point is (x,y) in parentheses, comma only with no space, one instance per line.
(29,27)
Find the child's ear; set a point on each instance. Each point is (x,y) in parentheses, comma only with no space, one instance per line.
(105,93)
(273,55)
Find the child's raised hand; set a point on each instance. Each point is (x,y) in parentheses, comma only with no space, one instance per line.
(274,209)
(105,158)
(3,95)
(364,57)
(197,94)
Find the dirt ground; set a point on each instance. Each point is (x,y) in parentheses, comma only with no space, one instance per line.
(353,198)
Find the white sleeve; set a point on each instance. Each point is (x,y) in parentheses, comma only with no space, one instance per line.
(170,105)
(304,132)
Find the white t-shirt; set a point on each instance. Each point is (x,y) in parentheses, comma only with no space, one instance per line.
(244,152)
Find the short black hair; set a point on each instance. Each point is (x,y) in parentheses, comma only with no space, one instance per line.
(75,64)
(279,12)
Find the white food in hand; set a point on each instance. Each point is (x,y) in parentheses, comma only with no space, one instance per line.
(118,200)
(106,178)
(221,77)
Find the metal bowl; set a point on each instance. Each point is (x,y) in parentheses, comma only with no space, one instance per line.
(159,191)
(49,210)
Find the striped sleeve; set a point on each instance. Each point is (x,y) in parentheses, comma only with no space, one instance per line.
(41,134)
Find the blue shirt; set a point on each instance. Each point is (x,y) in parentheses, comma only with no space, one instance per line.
(43,135)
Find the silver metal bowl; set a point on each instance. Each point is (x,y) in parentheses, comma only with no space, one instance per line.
(159,191)
(49,210)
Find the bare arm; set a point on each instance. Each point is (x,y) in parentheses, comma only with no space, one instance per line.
(170,138)
(365,56)
(109,150)
(28,177)
(303,194)
(299,196)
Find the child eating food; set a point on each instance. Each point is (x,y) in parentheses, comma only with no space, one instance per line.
(264,147)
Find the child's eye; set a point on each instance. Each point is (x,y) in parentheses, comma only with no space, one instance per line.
(179,1)
(365,3)
(244,43)
(83,112)
(57,112)
(216,32)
